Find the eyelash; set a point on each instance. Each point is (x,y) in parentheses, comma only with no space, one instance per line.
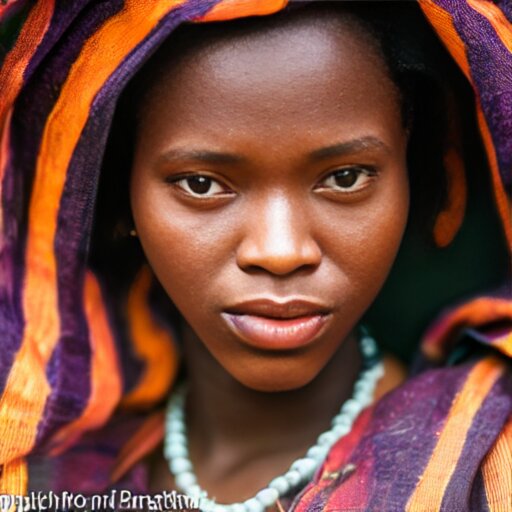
(368,171)
(175,181)
(360,171)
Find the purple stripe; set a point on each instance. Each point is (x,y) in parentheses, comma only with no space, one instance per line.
(71,382)
(32,109)
(403,434)
(69,369)
(506,7)
(401,437)
(491,69)
(64,14)
(486,427)
(478,499)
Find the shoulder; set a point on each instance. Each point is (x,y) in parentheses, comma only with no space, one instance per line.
(440,441)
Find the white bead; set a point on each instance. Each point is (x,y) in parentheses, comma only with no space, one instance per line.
(363,397)
(253,505)
(341,430)
(306,467)
(238,507)
(280,484)
(174,425)
(175,414)
(293,477)
(207,504)
(379,370)
(221,508)
(363,388)
(178,438)
(184,480)
(342,419)
(180,465)
(175,450)
(267,497)
(194,491)
(317,453)
(351,407)
(368,346)
(326,439)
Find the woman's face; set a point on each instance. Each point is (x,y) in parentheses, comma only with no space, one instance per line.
(269,190)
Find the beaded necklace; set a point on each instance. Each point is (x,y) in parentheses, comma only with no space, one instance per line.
(300,471)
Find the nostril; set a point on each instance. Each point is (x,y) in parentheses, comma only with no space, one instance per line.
(279,259)
(277,237)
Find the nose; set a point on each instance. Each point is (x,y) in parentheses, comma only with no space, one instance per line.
(277,239)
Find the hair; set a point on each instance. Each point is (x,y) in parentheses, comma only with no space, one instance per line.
(434,103)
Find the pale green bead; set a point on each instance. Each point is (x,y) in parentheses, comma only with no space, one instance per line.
(185,480)
(175,450)
(254,505)
(326,439)
(293,477)
(280,484)
(317,453)
(267,496)
(180,465)
(306,467)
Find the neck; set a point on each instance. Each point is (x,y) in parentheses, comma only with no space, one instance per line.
(229,423)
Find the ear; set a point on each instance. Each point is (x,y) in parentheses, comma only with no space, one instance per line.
(450,218)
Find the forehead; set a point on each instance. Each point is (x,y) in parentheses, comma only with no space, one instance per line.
(309,67)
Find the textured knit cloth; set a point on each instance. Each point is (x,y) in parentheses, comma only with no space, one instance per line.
(441,441)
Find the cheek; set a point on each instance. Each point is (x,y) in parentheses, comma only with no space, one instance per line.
(366,238)
(183,250)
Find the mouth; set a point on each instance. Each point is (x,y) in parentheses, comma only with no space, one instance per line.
(271,325)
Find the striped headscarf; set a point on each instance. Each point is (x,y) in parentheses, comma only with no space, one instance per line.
(61,372)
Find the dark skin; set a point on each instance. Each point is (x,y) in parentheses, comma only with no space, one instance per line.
(272,167)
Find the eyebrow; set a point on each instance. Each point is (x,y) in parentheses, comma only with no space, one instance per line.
(201,155)
(216,157)
(349,147)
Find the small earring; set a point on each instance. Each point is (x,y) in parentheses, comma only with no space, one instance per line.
(133,233)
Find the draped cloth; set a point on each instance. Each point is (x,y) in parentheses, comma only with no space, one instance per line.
(442,439)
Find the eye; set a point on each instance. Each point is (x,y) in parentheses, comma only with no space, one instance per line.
(349,179)
(199,185)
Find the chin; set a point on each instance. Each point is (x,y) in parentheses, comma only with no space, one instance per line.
(276,378)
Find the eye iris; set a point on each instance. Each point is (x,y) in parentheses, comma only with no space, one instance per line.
(199,184)
(345,178)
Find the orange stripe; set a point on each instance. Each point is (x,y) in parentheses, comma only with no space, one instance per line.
(443,25)
(13,68)
(230,9)
(26,391)
(496,18)
(497,472)
(5,136)
(475,313)
(502,201)
(14,478)
(504,344)
(432,485)
(16,61)
(153,345)
(106,386)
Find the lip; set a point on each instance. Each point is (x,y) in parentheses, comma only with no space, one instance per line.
(272,325)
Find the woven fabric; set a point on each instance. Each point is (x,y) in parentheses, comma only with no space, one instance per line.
(64,367)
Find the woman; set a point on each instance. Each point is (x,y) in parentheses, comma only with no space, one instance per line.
(272,168)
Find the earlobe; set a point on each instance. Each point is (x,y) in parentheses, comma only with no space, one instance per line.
(450,218)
